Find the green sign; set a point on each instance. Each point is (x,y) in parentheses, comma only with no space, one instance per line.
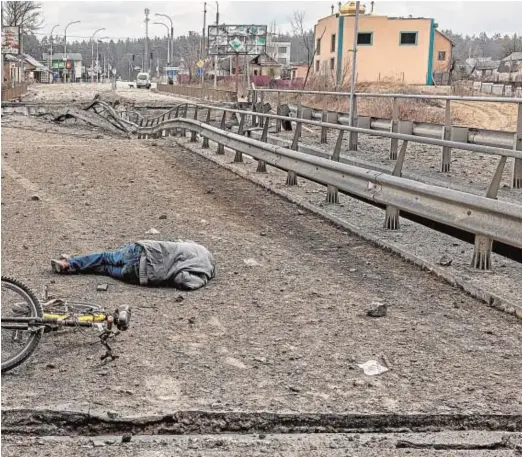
(58,64)
(236,45)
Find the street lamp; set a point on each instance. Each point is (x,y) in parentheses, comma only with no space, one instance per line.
(92,55)
(51,55)
(65,45)
(168,40)
(170,58)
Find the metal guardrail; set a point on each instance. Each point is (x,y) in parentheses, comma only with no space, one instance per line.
(471,135)
(485,218)
(395,125)
(392,96)
(14,92)
(199,92)
(400,157)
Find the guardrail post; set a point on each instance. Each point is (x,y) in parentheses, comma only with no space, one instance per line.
(175,132)
(394,124)
(254,117)
(517,166)
(482,253)
(221,147)
(353,137)
(140,136)
(279,122)
(483,245)
(299,115)
(185,114)
(259,109)
(205,144)
(332,193)
(261,164)
(324,137)
(291,177)
(391,221)
(240,131)
(194,135)
(162,133)
(446,135)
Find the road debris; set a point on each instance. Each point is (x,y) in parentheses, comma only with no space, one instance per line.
(102,287)
(372,368)
(152,231)
(377,310)
(445,261)
(251,262)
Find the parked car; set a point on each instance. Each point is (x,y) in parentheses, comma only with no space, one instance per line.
(143,80)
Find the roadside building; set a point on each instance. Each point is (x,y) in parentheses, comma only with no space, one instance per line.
(35,71)
(510,69)
(264,65)
(279,51)
(70,66)
(400,49)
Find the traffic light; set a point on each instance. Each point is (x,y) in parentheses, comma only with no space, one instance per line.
(133,57)
(151,55)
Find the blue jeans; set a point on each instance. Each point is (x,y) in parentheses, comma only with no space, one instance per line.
(121,264)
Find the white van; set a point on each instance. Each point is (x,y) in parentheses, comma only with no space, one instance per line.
(143,80)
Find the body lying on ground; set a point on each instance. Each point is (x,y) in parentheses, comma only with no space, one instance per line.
(181,264)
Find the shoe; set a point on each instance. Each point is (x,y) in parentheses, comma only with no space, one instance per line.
(60,266)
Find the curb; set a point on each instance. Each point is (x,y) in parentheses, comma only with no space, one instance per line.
(491,299)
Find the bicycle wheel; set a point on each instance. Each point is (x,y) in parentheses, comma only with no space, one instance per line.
(18,345)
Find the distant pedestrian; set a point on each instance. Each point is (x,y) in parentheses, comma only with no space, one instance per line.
(180,264)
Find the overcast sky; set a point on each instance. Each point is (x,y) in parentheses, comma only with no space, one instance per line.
(123,19)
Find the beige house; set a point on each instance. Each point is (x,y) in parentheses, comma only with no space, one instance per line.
(407,50)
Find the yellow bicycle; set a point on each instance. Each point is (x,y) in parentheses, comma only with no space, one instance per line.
(24,320)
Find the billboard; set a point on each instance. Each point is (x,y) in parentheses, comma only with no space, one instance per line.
(10,40)
(236,39)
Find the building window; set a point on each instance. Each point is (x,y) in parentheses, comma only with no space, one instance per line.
(318,46)
(442,55)
(332,63)
(365,38)
(332,43)
(282,60)
(282,50)
(317,63)
(408,38)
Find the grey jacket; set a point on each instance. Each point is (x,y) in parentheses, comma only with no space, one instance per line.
(181,264)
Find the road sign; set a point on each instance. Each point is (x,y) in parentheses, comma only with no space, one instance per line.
(200,63)
(10,40)
(237,39)
(199,71)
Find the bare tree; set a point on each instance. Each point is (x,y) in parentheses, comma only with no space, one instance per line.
(26,15)
(306,39)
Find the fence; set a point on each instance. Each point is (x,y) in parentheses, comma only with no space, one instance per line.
(10,93)
(199,92)
(506,90)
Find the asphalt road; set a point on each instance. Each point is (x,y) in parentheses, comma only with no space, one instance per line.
(282,333)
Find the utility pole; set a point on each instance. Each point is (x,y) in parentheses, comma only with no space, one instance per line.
(203,45)
(147,12)
(354,67)
(216,57)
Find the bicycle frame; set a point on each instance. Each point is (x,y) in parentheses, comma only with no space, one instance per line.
(57,320)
